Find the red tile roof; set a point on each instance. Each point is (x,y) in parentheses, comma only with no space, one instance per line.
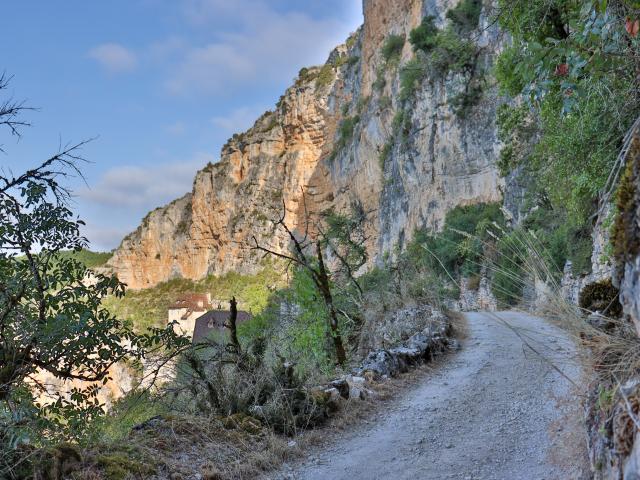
(192,301)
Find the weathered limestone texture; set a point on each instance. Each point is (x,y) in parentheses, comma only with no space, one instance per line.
(296,154)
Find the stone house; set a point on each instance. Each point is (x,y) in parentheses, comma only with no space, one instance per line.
(187,309)
(215,320)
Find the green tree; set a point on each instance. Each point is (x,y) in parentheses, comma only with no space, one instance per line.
(575,64)
(51,317)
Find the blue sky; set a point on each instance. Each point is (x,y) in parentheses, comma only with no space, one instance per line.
(161,83)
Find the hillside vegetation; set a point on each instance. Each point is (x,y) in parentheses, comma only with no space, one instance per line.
(148,308)
(568,93)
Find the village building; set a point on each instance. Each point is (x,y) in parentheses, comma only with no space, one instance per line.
(215,321)
(187,309)
(197,317)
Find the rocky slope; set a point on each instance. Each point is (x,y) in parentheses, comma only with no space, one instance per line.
(332,142)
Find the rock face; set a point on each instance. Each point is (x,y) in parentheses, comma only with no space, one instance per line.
(628,242)
(299,155)
(613,438)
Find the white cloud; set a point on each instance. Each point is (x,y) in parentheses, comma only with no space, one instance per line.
(114,57)
(146,187)
(261,45)
(238,120)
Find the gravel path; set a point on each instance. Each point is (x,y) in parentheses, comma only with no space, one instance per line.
(495,410)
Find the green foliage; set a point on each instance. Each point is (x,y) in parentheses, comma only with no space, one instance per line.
(345,133)
(572,58)
(504,68)
(515,130)
(352,40)
(428,269)
(347,128)
(122,465)
(392,48)
(86,257)
(424,37)
(308,345)
(625,234)
(361,104)
(325,77)
(133,409)
(452,53)
(401,125)
(344,237)
(411,76)
(573,63)
(307,74)
(464,102)
(459,248)
(148,307)
(442,51)
(562,236)
(465,16)
(53,318)
(380,82)
(385,153)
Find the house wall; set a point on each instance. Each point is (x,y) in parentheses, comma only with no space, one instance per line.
(186,323)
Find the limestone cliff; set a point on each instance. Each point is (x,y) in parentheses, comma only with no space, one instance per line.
(335,136)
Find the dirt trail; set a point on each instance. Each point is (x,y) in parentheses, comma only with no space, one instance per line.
(495,410)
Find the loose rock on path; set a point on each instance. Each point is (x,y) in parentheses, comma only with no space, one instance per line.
(495,410)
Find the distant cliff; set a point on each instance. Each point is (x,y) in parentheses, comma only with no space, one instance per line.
(348,132)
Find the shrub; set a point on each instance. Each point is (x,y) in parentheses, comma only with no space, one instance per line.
(601,297)
(325,76)
(411,75)
(345,133)
(392,48)
(465,16)
(352,40)
(451,53)
(380,82)
(515,129)
(401,125)
(509,82)
(464,102)
(307,75)
(424,37)
(243,386)
(459,246)
(385,153)
(86,257)
(445,50)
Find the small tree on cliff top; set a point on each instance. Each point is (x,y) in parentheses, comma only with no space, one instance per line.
(51,318)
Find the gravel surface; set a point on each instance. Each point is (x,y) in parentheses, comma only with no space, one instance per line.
(496,410)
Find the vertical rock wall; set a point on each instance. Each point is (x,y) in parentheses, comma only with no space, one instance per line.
(442,161)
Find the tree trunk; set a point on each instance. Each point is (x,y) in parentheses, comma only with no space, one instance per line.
(323,285)
(231,325)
